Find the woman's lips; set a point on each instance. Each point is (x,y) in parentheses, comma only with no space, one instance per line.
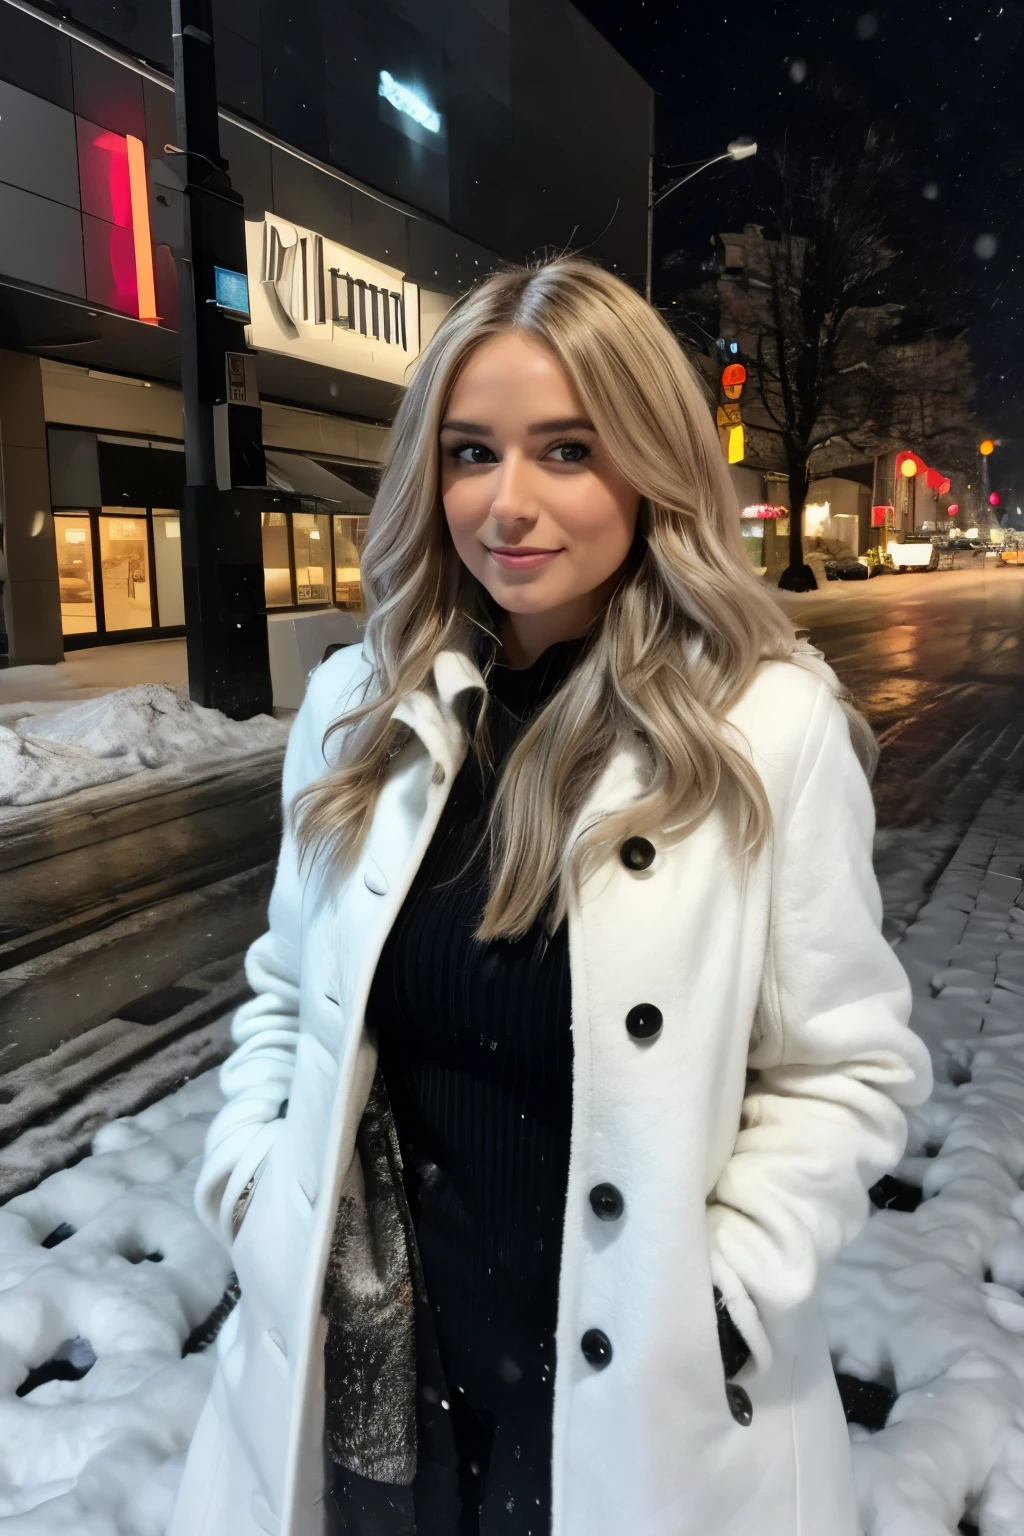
(515,562)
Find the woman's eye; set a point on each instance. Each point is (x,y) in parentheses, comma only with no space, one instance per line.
(474,453)
(571,453)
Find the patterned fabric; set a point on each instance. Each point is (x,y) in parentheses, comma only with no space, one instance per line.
(369,1303)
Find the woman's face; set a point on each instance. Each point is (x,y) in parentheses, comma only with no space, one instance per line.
(535,508)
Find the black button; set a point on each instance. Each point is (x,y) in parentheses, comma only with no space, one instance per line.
(637,853)
(606,1202)
(597,1348)
(740,1406)
(644,1021)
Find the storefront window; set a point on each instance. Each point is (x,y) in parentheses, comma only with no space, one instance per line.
(124,564)
(276,560)
(167,567)
(311,533)
(75,572)
(349,537)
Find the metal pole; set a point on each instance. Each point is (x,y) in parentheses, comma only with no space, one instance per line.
(221,543)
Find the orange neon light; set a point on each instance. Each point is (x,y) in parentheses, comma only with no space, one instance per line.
(141,230)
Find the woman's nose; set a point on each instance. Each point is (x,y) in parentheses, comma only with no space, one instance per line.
(513,495)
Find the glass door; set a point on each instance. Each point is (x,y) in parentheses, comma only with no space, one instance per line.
(75,573)
(124,567)
(311,535)
(349,537)
(167,567)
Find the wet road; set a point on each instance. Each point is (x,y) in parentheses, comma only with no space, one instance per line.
(936,661)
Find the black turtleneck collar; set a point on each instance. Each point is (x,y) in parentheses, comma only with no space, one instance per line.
(523,690)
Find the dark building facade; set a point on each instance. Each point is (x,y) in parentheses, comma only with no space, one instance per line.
(389,153)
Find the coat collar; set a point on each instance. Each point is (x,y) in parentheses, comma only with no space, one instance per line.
(437,722)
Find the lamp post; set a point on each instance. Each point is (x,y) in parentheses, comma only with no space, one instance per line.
(739,149)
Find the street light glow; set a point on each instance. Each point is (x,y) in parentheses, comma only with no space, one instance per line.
(741,149)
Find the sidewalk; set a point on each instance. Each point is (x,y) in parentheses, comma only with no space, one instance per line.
(110,1287)
(89,673)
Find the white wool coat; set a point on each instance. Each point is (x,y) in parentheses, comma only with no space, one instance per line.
(742,1137)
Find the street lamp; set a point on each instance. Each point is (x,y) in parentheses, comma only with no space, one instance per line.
(739,149)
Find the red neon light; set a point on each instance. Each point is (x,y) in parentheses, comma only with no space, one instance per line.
(115,208)
(145,283)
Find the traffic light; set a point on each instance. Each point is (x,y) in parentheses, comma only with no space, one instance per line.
(729,415)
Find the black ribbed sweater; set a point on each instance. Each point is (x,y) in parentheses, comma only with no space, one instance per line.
(476,1052)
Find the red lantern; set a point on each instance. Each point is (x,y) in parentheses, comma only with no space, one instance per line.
(952,509)
(995,499)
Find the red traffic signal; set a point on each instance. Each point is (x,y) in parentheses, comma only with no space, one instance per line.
(735,373)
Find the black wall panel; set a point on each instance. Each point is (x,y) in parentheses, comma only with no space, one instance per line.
(366,135)
(140,27)
(249,166)
(35,57)
(293,74)
(106,92)
(239,72)
(306,196)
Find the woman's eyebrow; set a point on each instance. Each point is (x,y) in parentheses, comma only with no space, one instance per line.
(563,424)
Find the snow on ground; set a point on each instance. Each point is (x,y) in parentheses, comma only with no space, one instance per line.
(925,1308)
(44,755)
(928,1303)
(105,1273)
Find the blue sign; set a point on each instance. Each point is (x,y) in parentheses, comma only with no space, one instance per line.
(232,290)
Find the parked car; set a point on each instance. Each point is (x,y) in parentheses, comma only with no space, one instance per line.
(1011,557)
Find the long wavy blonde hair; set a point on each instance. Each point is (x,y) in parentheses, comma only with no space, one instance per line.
(677,642)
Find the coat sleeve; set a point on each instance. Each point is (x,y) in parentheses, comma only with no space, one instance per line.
(837,1066)
(256,1078)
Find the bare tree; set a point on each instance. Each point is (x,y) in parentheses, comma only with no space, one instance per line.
(816,303)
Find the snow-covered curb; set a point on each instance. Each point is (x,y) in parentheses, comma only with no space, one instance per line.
(46,755)
(928,1302)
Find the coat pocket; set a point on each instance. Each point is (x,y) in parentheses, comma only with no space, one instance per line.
(735,1352)
(249,1175)
(244,1200)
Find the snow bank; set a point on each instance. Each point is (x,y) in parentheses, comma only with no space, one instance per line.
(44,756)
(929,1302)
(105,1271)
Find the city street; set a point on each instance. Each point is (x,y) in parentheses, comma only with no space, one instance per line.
(936,662)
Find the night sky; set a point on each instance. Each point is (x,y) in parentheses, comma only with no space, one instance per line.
(946,79)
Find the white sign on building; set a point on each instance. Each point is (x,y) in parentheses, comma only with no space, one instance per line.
(312,299)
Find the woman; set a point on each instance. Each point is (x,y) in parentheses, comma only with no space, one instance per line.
(575,1041)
